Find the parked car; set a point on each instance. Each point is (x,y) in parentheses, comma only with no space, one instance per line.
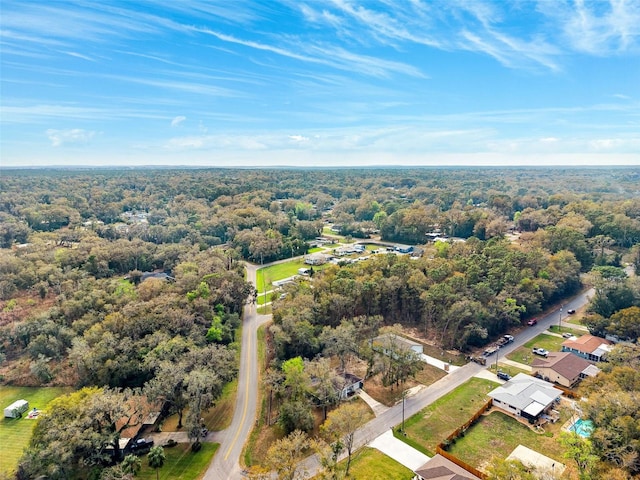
(540,351)
(567,335)
(533,321)
(142,444)
(571,311)
(503,375)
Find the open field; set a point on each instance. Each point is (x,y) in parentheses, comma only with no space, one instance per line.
(429,427)
(280,271)
(498,434)
(16,432)
(548,342)
(180,463)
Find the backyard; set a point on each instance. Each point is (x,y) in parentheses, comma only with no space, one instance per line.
(16,432)
(500,434)
(429,427)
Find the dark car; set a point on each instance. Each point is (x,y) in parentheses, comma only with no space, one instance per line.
(533,321)
(503,375)
(142,444)
(571,311)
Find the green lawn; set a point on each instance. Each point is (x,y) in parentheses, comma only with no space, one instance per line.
(498,434)
(523,354)
(15,433)
(371,464)
(180,463)
(279,271)
(429,427)
(566,329)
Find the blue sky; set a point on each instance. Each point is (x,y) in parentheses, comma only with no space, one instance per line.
(336,83)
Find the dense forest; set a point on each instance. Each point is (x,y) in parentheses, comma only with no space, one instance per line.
(134,279)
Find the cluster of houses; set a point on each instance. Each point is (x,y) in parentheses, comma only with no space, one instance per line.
(575,362)
(320,258)
(530,397)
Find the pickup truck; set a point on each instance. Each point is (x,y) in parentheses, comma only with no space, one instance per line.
(504,340)
(540,351)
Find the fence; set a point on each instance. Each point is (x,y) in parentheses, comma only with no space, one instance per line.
(457,433)
(460,430)
(460,463)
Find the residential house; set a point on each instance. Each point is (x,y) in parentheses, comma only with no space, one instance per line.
(441,468)
(157,275)
(590,347)
(345,385)
(350,384)
(316,259)
(525,396)
(390,341)
(403,248)
(563,368)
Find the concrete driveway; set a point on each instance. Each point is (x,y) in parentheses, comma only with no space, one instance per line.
(399,451)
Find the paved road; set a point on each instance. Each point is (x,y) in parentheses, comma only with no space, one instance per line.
(225,464)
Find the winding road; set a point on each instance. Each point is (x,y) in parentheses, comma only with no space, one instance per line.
(226,464)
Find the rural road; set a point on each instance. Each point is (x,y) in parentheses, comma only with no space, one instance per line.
(226,464)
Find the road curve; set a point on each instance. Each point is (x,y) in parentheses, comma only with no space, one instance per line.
(225,464)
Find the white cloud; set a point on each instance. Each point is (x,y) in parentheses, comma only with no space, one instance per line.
(178,120)
(73,135)
(606,143)
(298,138)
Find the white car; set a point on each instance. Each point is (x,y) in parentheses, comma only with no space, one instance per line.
(540,351)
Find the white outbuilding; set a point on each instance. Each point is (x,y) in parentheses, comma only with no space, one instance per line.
(16,409)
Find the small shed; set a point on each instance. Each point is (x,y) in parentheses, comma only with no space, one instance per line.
(16,409)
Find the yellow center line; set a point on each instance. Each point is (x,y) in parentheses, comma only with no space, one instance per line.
(246,400)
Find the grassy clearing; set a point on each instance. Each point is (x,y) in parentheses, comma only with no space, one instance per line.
(265,310)
(15,433)
(523,354)
(369,463)
(181,463)
(498,434)
(513,371)
(433,424)
(566,329)
(268,275)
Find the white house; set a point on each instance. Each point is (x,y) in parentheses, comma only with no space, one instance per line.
(387,341)
(525,396)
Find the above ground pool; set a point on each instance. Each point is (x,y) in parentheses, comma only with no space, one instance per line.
(582,427)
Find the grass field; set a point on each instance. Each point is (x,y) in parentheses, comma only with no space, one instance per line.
(180,463)
(433,424)
(15,433)
(270,274)
(371,464)
(498,434)
(548,342)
